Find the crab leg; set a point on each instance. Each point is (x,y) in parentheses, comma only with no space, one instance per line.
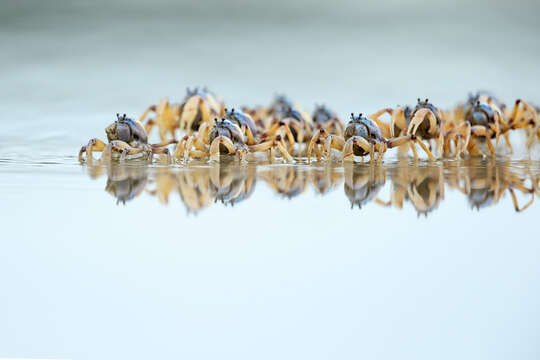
(188,146)
(463,130)
(272,144)
(299,130)
(205,112)
(318,151)
(479,130)
(250,136)
(163,144)
(348,149)
(398,118)
(497,119)
(440,139)
(284,151)
(399,140)
(215,147)
(281,126)
(149,126)
(419,141)
(261,146)
(146,112)
(516,204)
(315,141)
(419,117)
(93,145)
(337,125)
(200,141)
(189,112)
(517,111)
(197,154)
(123,148)
(385,128)
(415,153)
(162,151)
(289,134)
(467,137)
(332,141)
(180,149)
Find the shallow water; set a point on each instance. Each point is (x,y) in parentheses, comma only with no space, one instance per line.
(402,260)
(272,260)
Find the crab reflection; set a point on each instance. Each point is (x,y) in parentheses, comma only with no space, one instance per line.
(422,186)
(199,185)
(124,182)
(363,183)
(485,183)
(325,179)
(286,181)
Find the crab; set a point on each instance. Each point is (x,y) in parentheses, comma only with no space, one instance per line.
(325,118)
(292,123)
(126,139)
(362,137)
(245,123)
(226,138)
(483,116)
(251,131)
(199,106)
(284,114)
(166,118)
(425,121)
(480,117)
(300,125)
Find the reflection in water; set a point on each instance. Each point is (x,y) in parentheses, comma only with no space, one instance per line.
(422,186)
(484,182)
(363,183)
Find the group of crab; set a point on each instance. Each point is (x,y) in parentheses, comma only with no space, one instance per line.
(208,129)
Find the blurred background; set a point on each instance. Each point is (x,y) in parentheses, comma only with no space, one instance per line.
(76,62)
